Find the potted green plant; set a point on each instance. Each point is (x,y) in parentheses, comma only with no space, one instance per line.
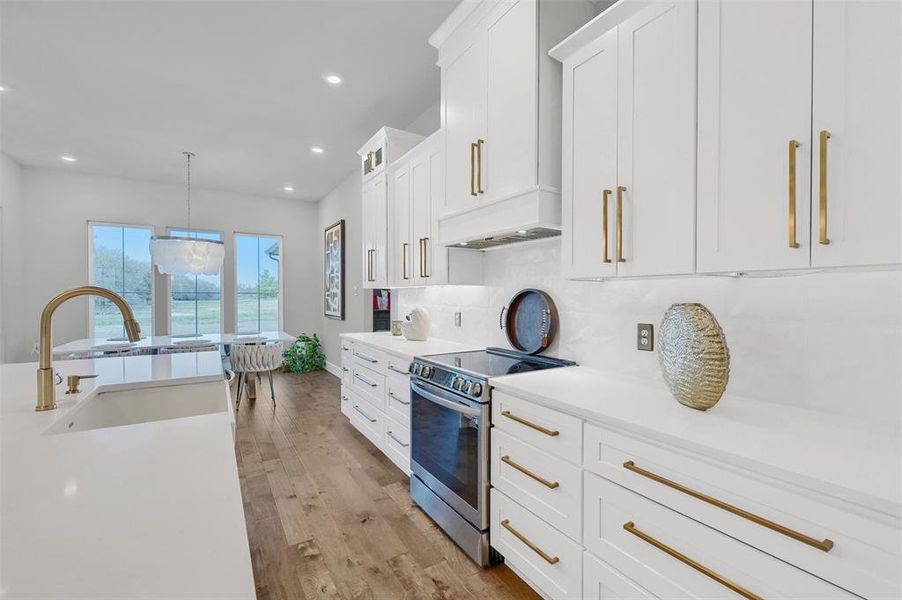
(304,355)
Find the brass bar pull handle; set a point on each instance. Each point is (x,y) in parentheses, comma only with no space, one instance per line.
(822,220)
(369,265)
(479,144)
(620,190)
(404,247)
(551,560)
(824,545)
(552,485)
(793,146)
(631,528)
(425,255)
(531,425)
(473,169)
(605,196)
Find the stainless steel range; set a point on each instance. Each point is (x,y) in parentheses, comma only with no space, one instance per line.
(449,455)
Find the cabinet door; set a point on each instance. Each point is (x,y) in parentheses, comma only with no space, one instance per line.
(754,97)
(379,217)
(508,154)
(857,197)
(438,254)
(656,140)
(420,215)
(590,160)
(464,114)
(367,235)
(400,245)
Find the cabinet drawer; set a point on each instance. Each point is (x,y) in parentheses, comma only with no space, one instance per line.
(657,546)
(548,559)
(345,400)
(544,428)
(397,365)
(368,419)
(541,482)
(397,398)
(602,582)
(370,383)
(397,443)
(864,557)
(368,357)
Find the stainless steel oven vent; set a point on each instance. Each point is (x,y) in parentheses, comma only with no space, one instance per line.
(505,239)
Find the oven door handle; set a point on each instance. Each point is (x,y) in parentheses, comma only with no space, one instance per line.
(450,404)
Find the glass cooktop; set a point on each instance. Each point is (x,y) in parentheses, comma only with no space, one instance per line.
(493,362)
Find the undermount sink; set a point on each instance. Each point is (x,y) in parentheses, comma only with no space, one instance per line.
(115,408)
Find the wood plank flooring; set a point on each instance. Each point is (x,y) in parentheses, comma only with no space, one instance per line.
(329,516)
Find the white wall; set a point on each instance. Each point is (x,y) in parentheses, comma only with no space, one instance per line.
(52,253)
(10,216)
(829,341)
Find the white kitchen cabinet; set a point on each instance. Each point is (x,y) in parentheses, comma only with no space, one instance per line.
(399,210)
(375,226)
(629,142)
(463,113)
(857,178)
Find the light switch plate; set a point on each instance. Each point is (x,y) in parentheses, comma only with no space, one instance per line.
(645,337)
(457,319)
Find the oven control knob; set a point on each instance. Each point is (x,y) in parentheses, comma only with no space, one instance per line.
(477,389)
(457,382)
(427,372)
(417,368)
(468,387)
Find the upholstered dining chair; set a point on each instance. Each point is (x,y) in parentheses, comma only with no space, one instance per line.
(255,358)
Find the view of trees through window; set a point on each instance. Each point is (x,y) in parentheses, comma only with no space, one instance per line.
(257,266)
(196,300)
(120,255)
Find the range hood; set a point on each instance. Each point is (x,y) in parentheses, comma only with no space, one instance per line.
(523,217)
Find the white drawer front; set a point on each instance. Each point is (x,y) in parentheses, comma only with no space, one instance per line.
(616,519)
(542,427)
(545,484)
(345,400)
(370,383)
(397,398)
(865,554)
(397,365)
(397,443)
(602,582)
(368,357)
(563,579)
(368,419)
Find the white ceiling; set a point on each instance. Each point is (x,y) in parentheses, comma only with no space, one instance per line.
(126,86)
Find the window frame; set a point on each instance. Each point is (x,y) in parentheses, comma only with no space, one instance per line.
(222,311)
(281,238)
(153,284)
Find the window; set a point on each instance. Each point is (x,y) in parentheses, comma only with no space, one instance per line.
(119,258)
(195,301)
(259,283)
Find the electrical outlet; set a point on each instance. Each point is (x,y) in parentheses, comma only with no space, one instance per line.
(457,319)
(645,338)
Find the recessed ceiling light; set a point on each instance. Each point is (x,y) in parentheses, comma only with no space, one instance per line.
(3,88)
(316,150)
(462,244)
(68,159)
(332,79)
(288,188)
(522,231)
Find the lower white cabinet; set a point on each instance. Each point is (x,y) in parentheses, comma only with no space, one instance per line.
(603,582)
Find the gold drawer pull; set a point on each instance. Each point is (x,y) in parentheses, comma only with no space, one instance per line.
(605,194)
(824,545)
(620,190)
(822,220)
(630,527)
(479,144)
(793,146)
(473,169)
(522,421)
(404,246)
(551,560)
(549,484)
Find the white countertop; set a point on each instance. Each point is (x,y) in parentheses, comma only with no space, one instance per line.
(400,346)
(859,462)
(151,510)
(161,341)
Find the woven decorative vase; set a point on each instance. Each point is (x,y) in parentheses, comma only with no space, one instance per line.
(694,356)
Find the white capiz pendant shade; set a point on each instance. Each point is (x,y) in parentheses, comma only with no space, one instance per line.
(181,255)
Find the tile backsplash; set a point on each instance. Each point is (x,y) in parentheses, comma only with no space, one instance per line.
(827,341)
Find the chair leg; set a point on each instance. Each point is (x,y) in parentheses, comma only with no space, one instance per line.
(238,397)
(272,390)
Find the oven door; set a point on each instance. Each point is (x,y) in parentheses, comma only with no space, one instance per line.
(449,449)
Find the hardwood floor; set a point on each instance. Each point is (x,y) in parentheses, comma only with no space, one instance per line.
(329,516)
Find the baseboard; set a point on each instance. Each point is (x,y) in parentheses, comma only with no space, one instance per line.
(334,369)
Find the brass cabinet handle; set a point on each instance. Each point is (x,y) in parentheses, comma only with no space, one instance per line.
(425,254)
(522,421)
(605,195)
(366,416)
(473,169)
(404,402)
(620,190)
(549,484)
(366,381)
(631,528)
(479,144)
(822,238)
(824,545)
(551,560)
(793,146)
(370,255)
(392,436)
(404,260)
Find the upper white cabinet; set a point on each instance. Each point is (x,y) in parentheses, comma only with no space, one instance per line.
(501,116)
(629,134)
(857,133)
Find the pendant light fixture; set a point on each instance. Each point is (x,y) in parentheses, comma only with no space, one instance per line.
(182,255)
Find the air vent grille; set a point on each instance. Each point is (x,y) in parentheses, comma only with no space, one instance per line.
(537,233)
